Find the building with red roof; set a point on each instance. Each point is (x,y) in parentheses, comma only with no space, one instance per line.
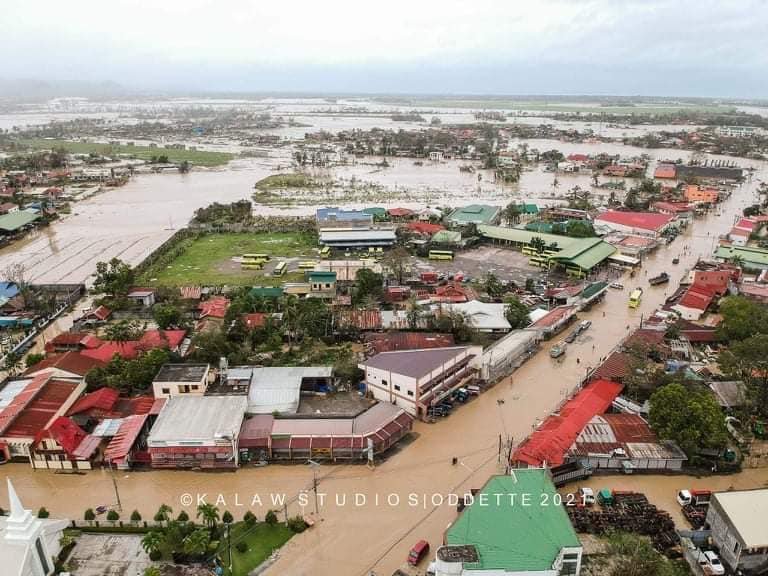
(377,342)
(215,307)
(452,293)
(108,350)
(129,444)
(550,443)
(578,158)
(69,365)
(621,442)
(255,320)
(98,403)
(665,172)
(30,406)
(401,212)
(72,341)
(651,224)
(701,194)
(64,445)
(98,314)
(424,228)
(695,301)
(680,210)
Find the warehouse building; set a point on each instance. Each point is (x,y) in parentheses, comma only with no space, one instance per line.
(197,432)
(278,388)
(499,534)
(739,528)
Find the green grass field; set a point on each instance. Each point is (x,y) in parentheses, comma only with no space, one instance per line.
(206,260)
(262,539)
(195,157)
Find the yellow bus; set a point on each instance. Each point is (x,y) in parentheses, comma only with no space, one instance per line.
(280,269)
(549,252)
(635,297)
(530,250)
(540,261)
(440,255)
(307,265)
(325,252)
(264,257)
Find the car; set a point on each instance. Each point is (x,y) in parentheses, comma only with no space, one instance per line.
(617,285)
(710,561)
(571,338)
(418,552)
(584,325)
(587,496)
(557,350)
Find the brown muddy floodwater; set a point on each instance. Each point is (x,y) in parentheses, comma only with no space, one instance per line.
(353,537)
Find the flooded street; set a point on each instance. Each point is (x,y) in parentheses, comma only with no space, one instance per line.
(353,539)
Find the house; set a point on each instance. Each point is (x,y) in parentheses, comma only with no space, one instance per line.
(665,172)
(680,210)
(72,341)
(97,315)
(8,208)
(401,213)
(738,236)
(106,403)
(66,366)
(143,296)
(700,194)
(738,528)
(651,224)
(322,284)
(474,214)
(624,441)
(63,445)
(695,302)
(452,294)
(417,379)
(505,530)
(552,321)
(424,228)
(197,432)
(129,441)
(29,406)
(28,544)
(484,317)
(181,380)
(215,307)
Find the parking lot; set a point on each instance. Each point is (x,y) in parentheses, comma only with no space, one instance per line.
(506,264)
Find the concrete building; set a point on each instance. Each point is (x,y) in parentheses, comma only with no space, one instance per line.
(474,214)
(338,218)
(484,317)
(739,528)
(358,238)
(181,380)
(508,531)
(197,432)
(278,388)
(28,545)
(651,224)
(416,379)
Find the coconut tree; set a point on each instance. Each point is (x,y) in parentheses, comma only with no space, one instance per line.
(196,543)
(209,514)
(151,541)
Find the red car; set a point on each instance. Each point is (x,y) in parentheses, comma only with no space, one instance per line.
(417,553)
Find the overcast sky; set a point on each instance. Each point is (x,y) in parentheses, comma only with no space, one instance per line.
(649,47)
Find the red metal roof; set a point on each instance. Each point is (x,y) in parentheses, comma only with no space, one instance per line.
(424,227)
(101,399)
(550,442)
(33,408)
(65,432)
(83,339)
(674,207)
(665,171)
(255,320)
(190,292)
(615,367)
(120,446)
(400,212)
(152,339)
(215,307)
(108,350)
(554,316)
(388,341)
(697,297)
(73,362)
(100,313)
(360,319)
(644,220)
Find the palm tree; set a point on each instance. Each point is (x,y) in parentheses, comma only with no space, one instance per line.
(151,541)
(163,513)
(196,544)
(209,514)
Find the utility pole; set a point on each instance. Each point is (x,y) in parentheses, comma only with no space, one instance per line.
(114,485)
(229,546)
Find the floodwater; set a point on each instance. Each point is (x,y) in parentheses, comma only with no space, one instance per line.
(376,535)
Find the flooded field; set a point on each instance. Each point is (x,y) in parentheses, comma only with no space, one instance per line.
(355,537)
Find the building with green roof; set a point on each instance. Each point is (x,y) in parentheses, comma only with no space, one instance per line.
(267,292)
(751,257)
(14,221)
(474,214)
(515,525)
(447,237)
(377,212)
(577,255)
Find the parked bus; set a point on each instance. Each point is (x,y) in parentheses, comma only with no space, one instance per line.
(251,265)
(530,251)
(635,297)
(307,265)
(280,269)
(264,257)
(325,252)
(540,261)
(440,255)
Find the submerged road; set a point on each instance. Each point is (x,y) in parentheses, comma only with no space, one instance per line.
(355,537)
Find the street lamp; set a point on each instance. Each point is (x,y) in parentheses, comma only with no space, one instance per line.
(315,466)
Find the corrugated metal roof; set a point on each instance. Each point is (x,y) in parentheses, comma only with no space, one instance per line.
(198,418)
(415,363)
(121,444)
(278,388)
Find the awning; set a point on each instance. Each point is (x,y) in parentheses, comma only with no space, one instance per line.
(624,259)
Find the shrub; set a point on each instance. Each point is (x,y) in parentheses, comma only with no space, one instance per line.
(43,513)
(155,555)
(113,516)
(227,517)
(297,524)
(249,518)
(135,516)
(241,547)
(271,518)
(183,517)
(89,514)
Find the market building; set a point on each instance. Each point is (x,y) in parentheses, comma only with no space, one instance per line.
(499,534)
